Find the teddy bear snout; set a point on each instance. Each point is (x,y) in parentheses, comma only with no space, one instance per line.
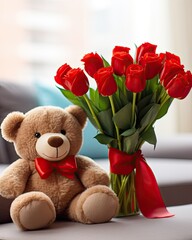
(55,141)
(53,146)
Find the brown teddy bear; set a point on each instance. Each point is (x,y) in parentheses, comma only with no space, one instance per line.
(50,179)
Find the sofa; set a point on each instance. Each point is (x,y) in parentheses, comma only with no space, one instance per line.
(171,163)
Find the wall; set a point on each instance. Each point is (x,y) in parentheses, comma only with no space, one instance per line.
(181,43)
(38,36)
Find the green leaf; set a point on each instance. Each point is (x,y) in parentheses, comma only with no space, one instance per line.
(117,101)
(105,119)
(120,81)
(122,93)
(92,94)
(104,139)
(102,103)
(153,83)
(80,101)
(158,95)
(142,112)
(129,95)
(71,97)
(145,101)
(123,98)
(130,143)
(105,63)
(91,119)
(149,117)
(122,118)
(164,109)
(150,136)
(128,132)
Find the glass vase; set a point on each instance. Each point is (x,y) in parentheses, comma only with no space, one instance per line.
(124,187)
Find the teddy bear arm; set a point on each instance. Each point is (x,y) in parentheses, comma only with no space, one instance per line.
(13,179)
(90,173)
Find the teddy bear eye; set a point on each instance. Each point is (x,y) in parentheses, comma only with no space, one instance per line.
(63,131)
(37,135)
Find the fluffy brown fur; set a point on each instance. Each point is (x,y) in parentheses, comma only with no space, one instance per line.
(85,198)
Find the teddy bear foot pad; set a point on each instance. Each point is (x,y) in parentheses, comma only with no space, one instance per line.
(32,211)
(99,207)
(97,204)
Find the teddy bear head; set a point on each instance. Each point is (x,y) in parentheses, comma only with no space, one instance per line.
(48,132)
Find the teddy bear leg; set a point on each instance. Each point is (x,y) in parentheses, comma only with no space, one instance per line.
(32,210)
(96,204)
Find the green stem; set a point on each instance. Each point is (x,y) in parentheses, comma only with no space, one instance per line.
(116,128)
(139,96)
(122,80)
(166,98)
(133,108)
(133,191)
(93,113)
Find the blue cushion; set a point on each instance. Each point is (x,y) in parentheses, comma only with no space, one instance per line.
(50,95)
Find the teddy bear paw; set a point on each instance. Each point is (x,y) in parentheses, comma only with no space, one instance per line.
(99,207)
(97,204)
(33,210)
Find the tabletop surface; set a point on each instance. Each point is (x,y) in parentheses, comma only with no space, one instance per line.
(137,227)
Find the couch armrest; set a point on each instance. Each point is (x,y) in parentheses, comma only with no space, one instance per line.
(178,146)
(13,97)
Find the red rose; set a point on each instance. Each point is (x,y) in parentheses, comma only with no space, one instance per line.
(120,49)
(172,56)
(144,48)
(180,85)
(105,81)
(76,81)
(61,72)
(170,69)
(135,78)
(120,61)
(152,64)
(93,62)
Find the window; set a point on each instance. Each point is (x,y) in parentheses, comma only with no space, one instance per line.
(38,36)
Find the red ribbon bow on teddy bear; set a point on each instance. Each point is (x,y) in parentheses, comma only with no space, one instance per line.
(66,167)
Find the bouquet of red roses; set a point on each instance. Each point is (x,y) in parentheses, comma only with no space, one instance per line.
(131,94)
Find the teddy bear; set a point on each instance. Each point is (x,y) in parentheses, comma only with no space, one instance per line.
(50,180)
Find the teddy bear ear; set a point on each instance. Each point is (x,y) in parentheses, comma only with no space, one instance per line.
(10,125)
(78,113)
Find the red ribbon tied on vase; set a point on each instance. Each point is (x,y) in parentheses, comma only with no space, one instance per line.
(66,167)
(148,194)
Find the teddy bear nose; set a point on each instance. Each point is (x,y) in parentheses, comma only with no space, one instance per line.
(55,141)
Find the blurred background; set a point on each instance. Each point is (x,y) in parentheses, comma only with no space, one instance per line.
(37,36)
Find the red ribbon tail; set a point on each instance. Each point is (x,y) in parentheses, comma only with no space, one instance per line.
(148,194)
